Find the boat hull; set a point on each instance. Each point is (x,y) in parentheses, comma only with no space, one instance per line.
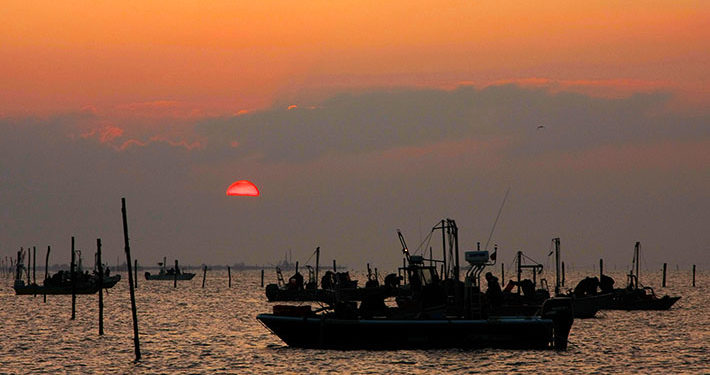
(182,276)
(64,289)
(635,301)
(586,307)
(332,333)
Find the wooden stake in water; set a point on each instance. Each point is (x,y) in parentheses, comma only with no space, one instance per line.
(101,286)
(665,265)
(502,274)
(335,268)
(29,259)
(693,274)
(229,273)
(34,264)
(175,274)
(135,272)
(262,278)
(136,343)
(73,281)
(204,276)
(46,271)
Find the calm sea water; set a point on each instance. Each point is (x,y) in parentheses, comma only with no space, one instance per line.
(214,330)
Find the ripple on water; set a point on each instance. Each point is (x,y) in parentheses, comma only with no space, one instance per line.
(213,330)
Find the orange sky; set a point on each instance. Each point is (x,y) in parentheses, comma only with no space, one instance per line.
(226,56)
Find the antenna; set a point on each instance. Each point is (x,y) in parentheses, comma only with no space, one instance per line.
(497,216)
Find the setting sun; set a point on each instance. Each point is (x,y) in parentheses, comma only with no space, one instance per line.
(243,188)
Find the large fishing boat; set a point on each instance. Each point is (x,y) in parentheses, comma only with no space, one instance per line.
(431,311)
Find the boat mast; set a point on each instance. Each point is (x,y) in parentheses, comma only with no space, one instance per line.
(443,246)
(317,261)
(636,260)
(520,268)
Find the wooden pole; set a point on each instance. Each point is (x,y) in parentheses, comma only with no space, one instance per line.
(29,258)
(46,271)
(262,278)
(175,274)
(73,281)
(34,264)
(665,265)
(229,273)
(135,272)
(693,274)
(502,274)
(204,276)
(101,286)
(136,343)
(335,268)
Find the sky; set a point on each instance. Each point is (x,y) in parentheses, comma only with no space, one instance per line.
(355,119)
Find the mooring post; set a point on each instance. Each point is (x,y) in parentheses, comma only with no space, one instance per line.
(135,272)
(229,274)
(34,264)
(46,271)
(29,259)
(175,274)
(136,343)
(73,281)
(665,265)
(502,274)
(335,268)
(101,286)
(262,278)
(204,275)
(693,274)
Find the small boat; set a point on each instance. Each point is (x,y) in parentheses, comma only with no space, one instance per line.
(431,312)
(332,284)
(169,274)
(586,299)
(636,296)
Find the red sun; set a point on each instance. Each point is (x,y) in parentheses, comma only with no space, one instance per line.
(243,188)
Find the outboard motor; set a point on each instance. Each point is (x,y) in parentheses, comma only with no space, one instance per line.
(560,310)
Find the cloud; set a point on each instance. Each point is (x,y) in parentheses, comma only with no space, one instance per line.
(344,172)
(382,120)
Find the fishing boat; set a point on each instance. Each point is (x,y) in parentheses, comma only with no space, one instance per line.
(586,299)
(169,274)
(86,284)
(430,312)
(637,296)
(64,282)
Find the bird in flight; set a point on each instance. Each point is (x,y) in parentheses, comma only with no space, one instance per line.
(540,127)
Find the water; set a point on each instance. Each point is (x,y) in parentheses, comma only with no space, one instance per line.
(214,330)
